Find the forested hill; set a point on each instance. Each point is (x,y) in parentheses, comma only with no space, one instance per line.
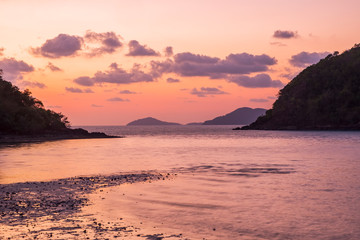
(23,115)
(323,96)
(20,113)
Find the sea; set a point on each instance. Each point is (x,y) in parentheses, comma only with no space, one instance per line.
(224,184)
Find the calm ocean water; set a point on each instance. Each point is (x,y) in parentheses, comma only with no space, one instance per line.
(229,184)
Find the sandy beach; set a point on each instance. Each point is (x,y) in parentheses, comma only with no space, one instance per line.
(52,209)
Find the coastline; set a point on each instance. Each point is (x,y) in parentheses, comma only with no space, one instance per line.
(63,135)
(52,209)
(296,128)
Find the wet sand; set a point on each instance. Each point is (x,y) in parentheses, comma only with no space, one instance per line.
(52,210)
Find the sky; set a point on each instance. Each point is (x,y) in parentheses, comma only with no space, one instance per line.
(111,62)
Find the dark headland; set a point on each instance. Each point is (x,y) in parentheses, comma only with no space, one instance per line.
(240,116)
(23,118)
(324,96)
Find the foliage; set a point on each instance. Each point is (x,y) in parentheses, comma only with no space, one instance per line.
(323,96)
(21,113)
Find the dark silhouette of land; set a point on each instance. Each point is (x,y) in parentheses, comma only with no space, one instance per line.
(324,96)
(149,121)
(240,116)
(194,123)
(23,118)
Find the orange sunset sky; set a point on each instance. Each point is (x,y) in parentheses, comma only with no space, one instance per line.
(111,62)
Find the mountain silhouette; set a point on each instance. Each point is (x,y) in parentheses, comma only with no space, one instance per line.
(240,116)
(149,121)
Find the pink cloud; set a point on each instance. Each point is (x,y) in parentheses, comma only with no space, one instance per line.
(115,75)
(168,51)
(127,92)
(53,68)
(63,45)
(194,58)
(14,69)
(96,106)
(172,80)
(78,90)
(91,45)
(109,41)
(279,44)
(258,81)
(33,84)
(117,99)
(285,34)
(189,64)
(135,50)
(305,59)
(259,100)
(207,91)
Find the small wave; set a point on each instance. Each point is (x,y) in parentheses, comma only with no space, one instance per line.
(182,204)
(251,170)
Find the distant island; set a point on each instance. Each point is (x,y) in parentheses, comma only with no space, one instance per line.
(23,118)
(324,96)
(149,121)
(194,123)
(240,116)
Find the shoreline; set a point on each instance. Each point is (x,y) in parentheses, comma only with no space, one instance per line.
(293,128)
(73,134)
(53,209)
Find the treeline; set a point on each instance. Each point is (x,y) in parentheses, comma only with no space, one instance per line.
(323,96)
(21,113)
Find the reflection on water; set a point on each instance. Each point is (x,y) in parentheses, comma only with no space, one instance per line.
(230,184)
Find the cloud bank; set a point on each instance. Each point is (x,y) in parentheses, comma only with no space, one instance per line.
(172,80)
(285,34)
(279,44)
(189,64)
(78,90)
(63,45)
(138,50)
(53,68)
(259,100)
(90,45)
(115,75)
(117,99)
(96,106)
(127,92)
(207,91)
(305,59)
(13,69)
(234,68)
(109,42)
(33,84)
(168,51)
(259,81)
